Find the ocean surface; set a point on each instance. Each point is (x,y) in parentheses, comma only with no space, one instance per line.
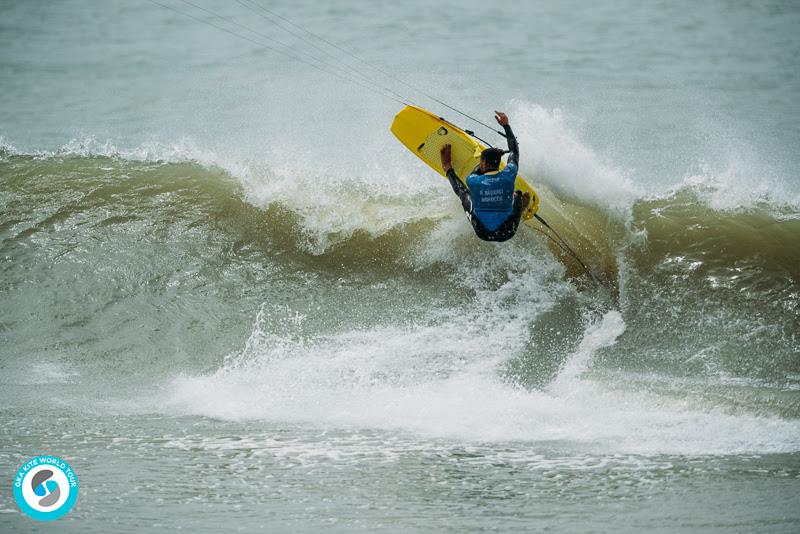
(232,301)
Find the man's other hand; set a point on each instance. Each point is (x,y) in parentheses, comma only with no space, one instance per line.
(446,154)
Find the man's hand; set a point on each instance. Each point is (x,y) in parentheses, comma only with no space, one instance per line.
(445,153)
(501,118)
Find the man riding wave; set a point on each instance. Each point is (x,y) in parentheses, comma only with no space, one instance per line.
(492,206)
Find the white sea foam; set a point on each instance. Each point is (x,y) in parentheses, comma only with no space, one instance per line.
(45,372)
(6,148)
(555,154)
(439,382)
(734,188)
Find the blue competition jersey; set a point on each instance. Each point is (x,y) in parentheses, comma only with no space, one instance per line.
(493,195)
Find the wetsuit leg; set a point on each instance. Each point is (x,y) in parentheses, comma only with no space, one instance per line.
(480,229)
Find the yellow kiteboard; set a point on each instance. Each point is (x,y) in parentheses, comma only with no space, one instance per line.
(424,134)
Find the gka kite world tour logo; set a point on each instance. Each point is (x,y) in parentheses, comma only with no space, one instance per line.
(45,488)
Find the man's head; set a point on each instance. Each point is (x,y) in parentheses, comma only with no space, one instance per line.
(490,159)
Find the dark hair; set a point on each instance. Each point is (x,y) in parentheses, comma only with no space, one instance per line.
(492,156)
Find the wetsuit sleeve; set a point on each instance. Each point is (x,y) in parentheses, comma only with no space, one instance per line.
(513,147)
(460,189)
(451,175)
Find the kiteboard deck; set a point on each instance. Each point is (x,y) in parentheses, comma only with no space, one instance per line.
(425,133)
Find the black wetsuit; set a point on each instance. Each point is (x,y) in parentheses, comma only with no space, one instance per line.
(508,227)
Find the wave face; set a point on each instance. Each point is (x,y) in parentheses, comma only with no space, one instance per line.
(356,306)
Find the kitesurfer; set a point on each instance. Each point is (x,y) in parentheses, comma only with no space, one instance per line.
(492,206)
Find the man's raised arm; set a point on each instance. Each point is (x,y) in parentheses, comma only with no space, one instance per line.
(513,147)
